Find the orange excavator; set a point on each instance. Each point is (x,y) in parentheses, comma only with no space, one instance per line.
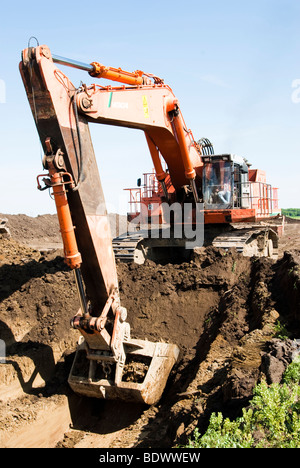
(195,189)
(238,209)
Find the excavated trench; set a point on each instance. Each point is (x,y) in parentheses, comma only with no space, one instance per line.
(219,308)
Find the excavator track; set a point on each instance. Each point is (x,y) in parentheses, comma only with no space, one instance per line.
(257,241)
(254,242)
(142,245)
(125,247)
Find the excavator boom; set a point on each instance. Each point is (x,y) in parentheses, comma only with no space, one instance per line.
(106,349)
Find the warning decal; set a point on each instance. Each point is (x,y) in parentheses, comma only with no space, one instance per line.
(145,106)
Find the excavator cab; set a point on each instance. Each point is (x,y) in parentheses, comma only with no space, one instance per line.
(225,182)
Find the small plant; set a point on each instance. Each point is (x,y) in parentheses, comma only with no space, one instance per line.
(280,331)
(292,373)
(272,419)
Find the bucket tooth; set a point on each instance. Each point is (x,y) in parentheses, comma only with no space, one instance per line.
(141,378)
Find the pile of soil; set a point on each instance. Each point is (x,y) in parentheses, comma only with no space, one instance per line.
(37,292)
(42,231)
(38,232)
(220,309)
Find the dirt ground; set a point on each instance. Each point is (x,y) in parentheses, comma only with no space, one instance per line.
(220,309)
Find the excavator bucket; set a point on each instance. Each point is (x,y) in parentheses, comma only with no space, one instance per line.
(140,378)
(110,364)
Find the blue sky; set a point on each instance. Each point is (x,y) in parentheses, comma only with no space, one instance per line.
(230,64)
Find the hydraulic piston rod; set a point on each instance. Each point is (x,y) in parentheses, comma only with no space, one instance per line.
(73,63)
(98,70)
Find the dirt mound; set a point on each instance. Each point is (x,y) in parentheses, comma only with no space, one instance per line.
(36,290)
(292,220)
(42,231)
(220,309)
(39,232)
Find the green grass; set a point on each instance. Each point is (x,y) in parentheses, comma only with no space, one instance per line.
(291,212)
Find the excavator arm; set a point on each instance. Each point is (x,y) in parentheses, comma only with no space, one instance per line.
(62,113)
